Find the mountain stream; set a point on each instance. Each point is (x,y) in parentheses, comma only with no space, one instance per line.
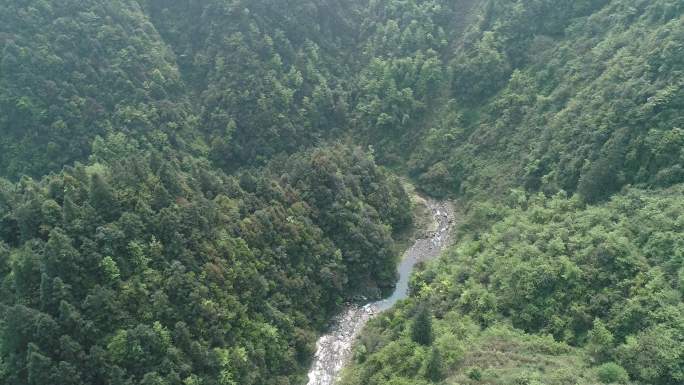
(334,349)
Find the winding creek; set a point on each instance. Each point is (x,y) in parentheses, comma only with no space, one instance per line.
(333,350)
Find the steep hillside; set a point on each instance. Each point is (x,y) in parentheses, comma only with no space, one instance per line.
(267,78)
(189,190)
(149,268)
(72,70)
(586,99)
(552,106)
(544,291)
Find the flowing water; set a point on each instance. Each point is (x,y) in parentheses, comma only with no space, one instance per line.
(334,349)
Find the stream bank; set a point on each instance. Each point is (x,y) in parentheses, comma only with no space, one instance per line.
(333,349)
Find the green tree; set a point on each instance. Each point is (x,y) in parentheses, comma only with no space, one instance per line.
(655,355)
(102,197)
(421,328)
(434,370)
(39,367)
(110,269)
(612,373)
(600,343)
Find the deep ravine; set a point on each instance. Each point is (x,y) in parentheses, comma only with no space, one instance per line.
(333,350)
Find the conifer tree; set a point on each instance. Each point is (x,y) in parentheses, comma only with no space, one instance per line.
(433,371)
(101,197)
(421,330)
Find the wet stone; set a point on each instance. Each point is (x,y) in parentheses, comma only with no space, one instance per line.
(334,349)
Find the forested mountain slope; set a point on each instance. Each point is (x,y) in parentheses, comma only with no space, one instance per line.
(71,70)
(266,76)
(145,262)
(543,291)
(563,98)
(551,95)
(194,187)
(151,268)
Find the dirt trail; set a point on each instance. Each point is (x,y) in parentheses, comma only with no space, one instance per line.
(334,349)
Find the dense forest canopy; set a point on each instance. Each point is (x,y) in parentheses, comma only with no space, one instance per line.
(144,266)
(190,190)
(545,290)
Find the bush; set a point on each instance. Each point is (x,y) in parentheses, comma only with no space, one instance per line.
(475,374)
(612,373)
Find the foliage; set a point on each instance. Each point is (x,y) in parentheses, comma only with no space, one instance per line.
(72,70)
(612,373)
(145,267)
(177,210)
(421,329)
(433,369)
(576,96)
(602,280)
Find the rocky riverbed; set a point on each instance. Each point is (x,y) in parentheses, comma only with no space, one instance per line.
(334,349)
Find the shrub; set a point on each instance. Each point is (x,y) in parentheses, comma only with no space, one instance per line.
(612,373)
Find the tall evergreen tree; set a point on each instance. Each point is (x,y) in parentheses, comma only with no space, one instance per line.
(421,329)
(434,371)
(102,197)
